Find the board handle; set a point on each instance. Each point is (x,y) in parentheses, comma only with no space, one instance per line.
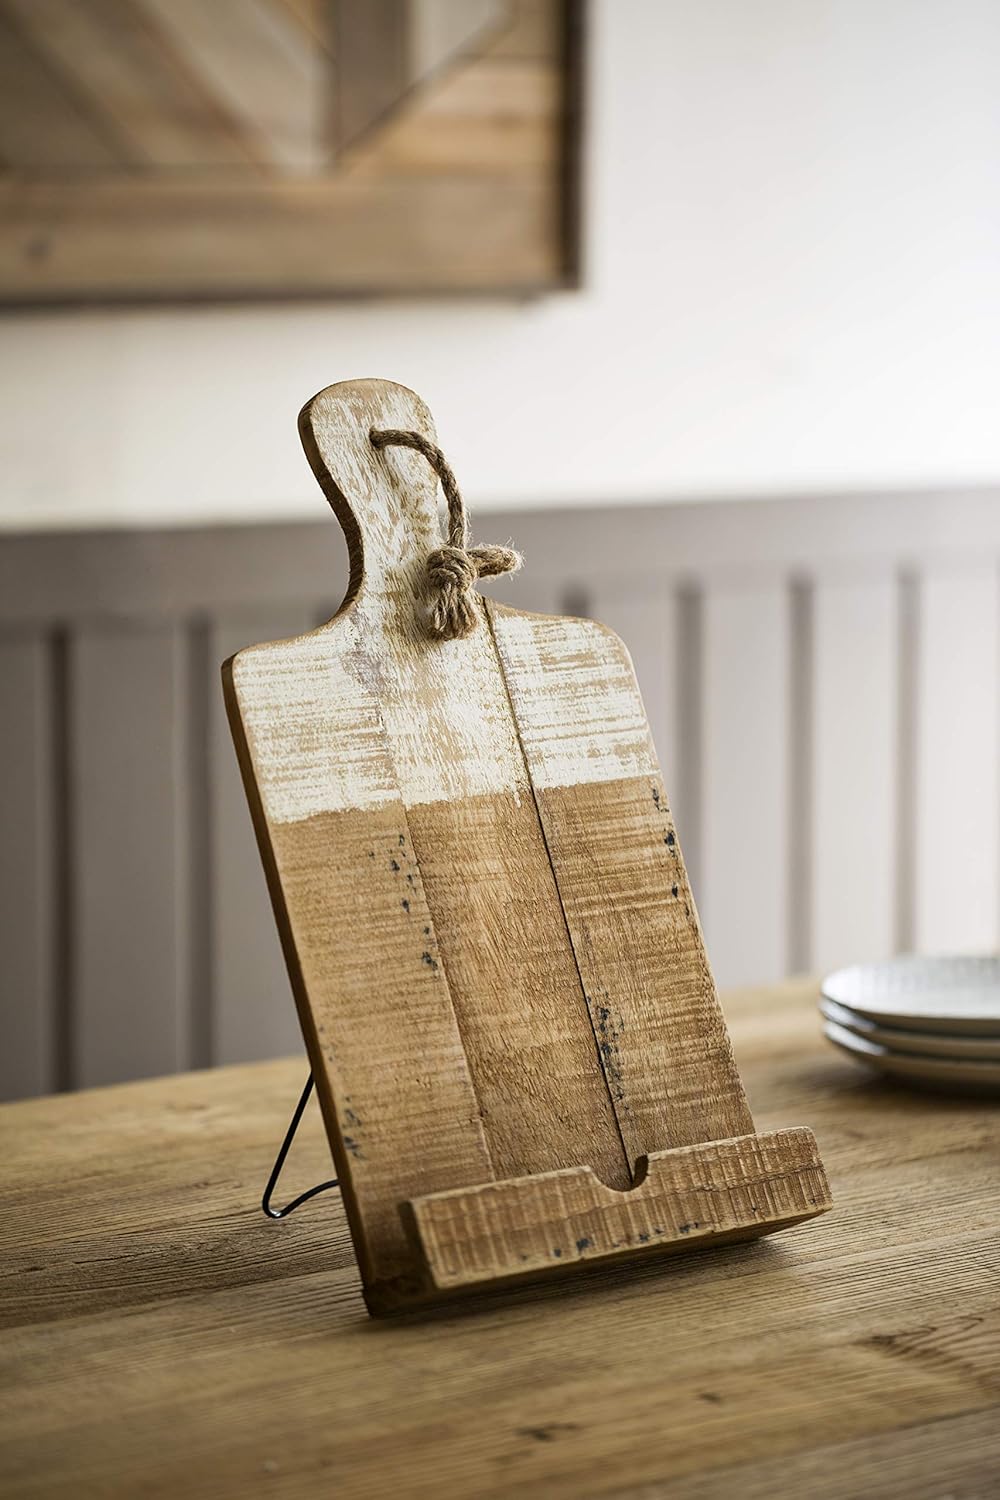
(382,483)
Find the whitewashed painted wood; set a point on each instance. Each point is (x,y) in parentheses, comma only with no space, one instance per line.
(957,818)
(28,918)
(129,960)
(579,712)
(854,746)
(745,739)
(253,1015)
(646,620)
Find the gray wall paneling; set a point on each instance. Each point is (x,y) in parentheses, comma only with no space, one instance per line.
(29,851)
(128,869)
(855,749)
(956,844)
(746,777)
(821,676)
(253,1014)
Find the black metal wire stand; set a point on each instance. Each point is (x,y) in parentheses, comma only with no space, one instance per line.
(279,1162)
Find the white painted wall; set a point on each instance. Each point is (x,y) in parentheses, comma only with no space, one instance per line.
(792,281)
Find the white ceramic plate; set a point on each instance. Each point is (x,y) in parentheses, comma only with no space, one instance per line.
(923,994)
(941,1073)
(926,1043)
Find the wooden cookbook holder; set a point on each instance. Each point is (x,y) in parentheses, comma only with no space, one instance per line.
(499,970)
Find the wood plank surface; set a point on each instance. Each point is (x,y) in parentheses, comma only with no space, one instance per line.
(373,65)
(483,905)
(42,126)
(163,1338)
(712,1194)
(621,879)
(278,147)
(423,928)
(108,57)
(261,69)
(121,236)
(482,900)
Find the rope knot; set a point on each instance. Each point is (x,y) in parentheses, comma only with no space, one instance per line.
(451,578)
(452,570)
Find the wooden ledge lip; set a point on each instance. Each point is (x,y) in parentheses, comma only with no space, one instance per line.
(722,1190)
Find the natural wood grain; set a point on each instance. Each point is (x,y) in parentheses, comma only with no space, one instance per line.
(372,64)
(165,148)
(163,1338)
(691,1197)
(501,933)
(42,126)
(108,56)
(491,118)
(481,897)
(265,75)
(392,786)
(111,236)
(534,28)
(622,882)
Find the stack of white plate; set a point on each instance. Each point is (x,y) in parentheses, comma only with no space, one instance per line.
(931,1021)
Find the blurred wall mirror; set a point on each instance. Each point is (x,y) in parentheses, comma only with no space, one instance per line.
(175,149)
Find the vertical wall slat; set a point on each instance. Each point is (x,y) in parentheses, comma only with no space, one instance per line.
(129,970)
(535,590)
(854,742)
(253,1013)
(28,934)
(646,620)
(745,739)
(957,881)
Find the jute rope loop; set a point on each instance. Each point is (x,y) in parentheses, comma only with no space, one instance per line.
(452,570)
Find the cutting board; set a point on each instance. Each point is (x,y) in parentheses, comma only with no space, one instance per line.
(491,938)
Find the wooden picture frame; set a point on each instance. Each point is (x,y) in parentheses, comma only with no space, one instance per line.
(165,149)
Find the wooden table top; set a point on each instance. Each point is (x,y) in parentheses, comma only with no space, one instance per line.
(163,1338)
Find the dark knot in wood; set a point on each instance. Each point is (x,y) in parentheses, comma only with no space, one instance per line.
(451,570)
